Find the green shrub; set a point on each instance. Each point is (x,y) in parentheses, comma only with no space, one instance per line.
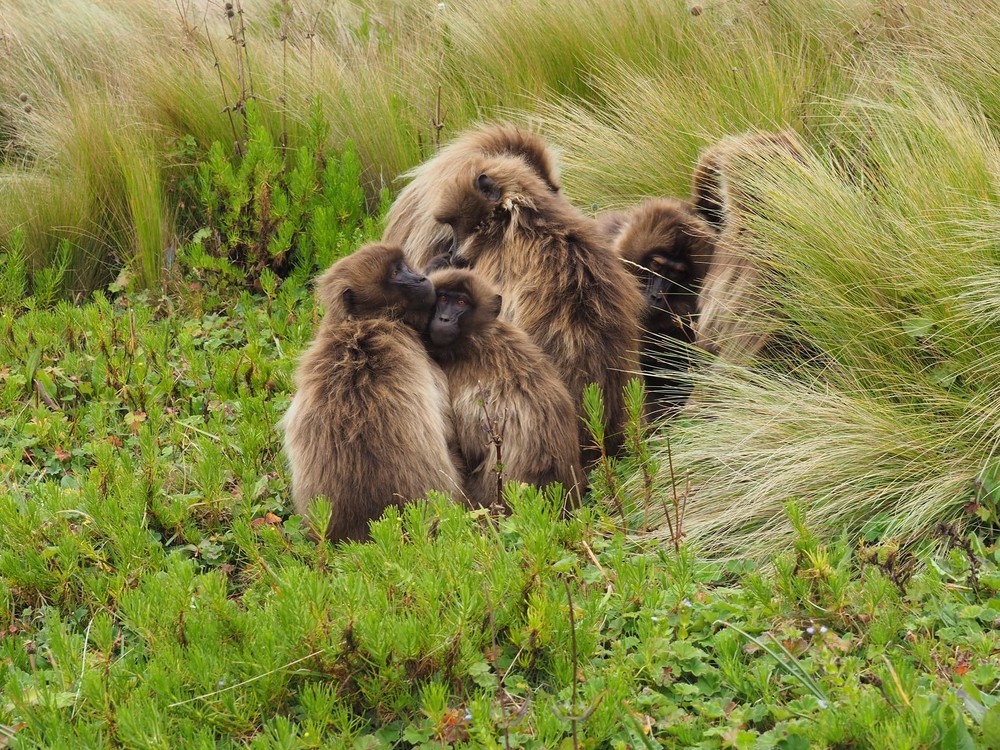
(268,209)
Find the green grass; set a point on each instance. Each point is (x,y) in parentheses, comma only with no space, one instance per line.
(879,269)
(631,92)
(154,591)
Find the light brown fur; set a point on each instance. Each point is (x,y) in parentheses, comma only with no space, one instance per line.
(495,364)
(411,222)
(560,281)
(370,423)
(729,290)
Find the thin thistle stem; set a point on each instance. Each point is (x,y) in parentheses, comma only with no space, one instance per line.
(245,49)
(573,719)
(493,427)
(675,524)
(283,98)
(492,660)
(225,97)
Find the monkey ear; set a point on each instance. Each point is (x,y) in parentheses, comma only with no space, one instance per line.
(497,304)
(347,296)
(488,187)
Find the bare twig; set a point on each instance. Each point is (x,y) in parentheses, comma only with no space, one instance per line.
(225,98)
(493,427)
(611,577)
(311,36)
(572,636)
(438,121)
(45,397)
(242,42)
(283,97)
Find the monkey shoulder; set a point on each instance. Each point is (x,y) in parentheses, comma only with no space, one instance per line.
(512,369)
(363,356)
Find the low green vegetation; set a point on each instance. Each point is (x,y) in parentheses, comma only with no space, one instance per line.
(807,559)
(154,591)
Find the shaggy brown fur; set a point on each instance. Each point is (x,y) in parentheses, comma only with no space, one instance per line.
(370,423)
(668,249)
(561,283)
(411,222)
(612,223)
(727,294)
(491,362)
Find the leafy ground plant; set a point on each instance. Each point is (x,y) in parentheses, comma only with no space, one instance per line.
(154,591)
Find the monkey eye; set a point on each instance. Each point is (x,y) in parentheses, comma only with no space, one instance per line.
(442,298)
(462,302)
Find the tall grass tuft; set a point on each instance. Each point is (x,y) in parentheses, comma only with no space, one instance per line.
(631,90)
(879,412)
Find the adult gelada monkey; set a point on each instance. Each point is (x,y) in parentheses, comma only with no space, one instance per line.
(560,281)
(370,423)
(496,374)
(720,195)
(411,221)
(668,249)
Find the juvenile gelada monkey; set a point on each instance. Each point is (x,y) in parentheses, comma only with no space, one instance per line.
(497,375)
(668,248)
(370,423)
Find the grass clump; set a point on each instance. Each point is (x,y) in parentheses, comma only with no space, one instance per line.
(879,409)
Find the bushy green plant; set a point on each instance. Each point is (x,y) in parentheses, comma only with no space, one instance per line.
(268,209)
(155,590)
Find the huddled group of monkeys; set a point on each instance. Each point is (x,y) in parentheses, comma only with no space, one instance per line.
(493,300)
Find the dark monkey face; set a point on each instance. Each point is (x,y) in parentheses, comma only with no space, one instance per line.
(666,278)
(410,292)
(670,299)
(415,289)
(376,281)
(447,322)
(466,307)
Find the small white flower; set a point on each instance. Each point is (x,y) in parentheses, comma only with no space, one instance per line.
(686,602)
(822,628)
(822,704)
(468,714)
(810,630)
(441,6)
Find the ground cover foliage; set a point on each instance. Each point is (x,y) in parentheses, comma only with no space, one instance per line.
(154,591)
(182,169)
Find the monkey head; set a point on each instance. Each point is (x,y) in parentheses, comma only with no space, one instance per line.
(376,282)
(466,305)
(501,139)
(668,248)
(481,202)
(718,190)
